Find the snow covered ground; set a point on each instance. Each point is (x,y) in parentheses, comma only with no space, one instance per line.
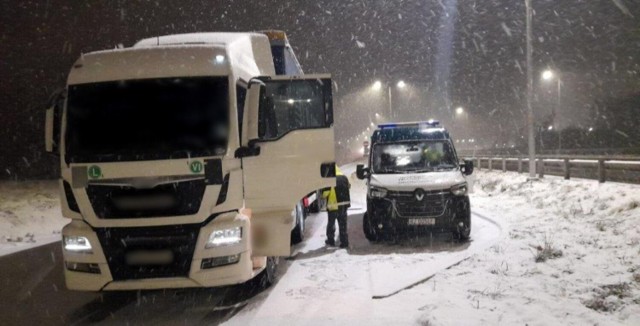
(29,215)
(568,254)
(543,252)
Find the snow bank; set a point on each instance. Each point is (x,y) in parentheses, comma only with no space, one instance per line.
(29,215)
(571,256)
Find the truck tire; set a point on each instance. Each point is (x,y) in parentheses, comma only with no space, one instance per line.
(370,231)
(297,234)
(268,276)
(314,207)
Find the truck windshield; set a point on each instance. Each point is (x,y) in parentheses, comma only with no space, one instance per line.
(413,157)
(147,119)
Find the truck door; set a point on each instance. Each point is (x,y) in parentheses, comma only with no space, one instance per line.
(287,152)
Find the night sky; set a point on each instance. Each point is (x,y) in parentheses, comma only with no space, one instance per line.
(450,53)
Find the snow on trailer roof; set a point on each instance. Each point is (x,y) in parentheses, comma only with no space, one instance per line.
(207,54)
(224,38)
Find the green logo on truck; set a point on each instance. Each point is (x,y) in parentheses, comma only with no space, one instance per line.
(94,172)
(196,166)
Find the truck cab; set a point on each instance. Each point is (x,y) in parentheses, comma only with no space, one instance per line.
(415,182)
(182,158)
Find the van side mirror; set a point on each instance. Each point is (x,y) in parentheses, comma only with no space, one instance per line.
(362,172)
(467,167)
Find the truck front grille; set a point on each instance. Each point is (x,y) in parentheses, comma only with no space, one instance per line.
(176,241)
(434,203)
(171,199)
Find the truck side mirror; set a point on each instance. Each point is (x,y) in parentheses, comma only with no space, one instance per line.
(48,131)
(467,167)
(362,172)
(53,120)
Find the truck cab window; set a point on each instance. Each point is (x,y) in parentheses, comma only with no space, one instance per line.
(147,119)
(286,106)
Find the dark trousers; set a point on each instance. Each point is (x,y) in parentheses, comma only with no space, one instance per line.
(341,216)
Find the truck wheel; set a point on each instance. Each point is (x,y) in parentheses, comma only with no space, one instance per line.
(313,207)
(297,234)
(268,275)
(370,231)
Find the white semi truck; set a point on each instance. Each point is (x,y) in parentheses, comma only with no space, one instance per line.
(183,157)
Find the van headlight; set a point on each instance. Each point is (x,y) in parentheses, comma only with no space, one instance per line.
(376,192)
(459,190)
(224,237)
(77,244)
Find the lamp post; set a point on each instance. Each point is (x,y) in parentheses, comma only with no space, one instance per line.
(549,75)
(377,86)
(532,144)
(459,115)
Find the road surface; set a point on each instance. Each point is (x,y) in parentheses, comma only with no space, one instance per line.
(33,292)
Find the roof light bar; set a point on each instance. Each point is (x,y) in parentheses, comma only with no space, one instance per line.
(429,123)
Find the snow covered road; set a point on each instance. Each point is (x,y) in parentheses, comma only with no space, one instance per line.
(323,284)
(565,252)
(327,285)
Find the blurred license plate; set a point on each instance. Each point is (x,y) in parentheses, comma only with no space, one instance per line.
(422,221)
(149,257)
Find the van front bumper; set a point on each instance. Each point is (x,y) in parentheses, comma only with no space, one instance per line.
(389,214)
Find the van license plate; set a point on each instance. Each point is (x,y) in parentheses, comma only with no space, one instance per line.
(422,221)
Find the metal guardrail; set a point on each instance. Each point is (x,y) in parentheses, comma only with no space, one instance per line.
(621,168)
(624,151)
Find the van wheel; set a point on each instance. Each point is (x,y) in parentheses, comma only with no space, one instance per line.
(297,234)
(462,233)
(370,231)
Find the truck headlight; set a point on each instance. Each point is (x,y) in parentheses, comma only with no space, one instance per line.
(224,237)
(77,244)
(459,190)
(377,192)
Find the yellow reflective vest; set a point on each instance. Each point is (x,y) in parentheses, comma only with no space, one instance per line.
(331,196)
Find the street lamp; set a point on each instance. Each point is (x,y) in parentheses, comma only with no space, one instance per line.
(377,85)
(549,75)
(459,110)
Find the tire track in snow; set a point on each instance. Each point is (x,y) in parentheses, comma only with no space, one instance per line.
(451,262)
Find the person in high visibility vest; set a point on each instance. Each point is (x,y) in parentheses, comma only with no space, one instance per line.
(338,201)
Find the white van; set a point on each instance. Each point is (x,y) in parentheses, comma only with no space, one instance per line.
(415,182)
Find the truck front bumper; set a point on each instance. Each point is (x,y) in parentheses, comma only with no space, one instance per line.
(108,265)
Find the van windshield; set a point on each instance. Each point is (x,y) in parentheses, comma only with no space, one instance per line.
(147,119)
(413,157)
